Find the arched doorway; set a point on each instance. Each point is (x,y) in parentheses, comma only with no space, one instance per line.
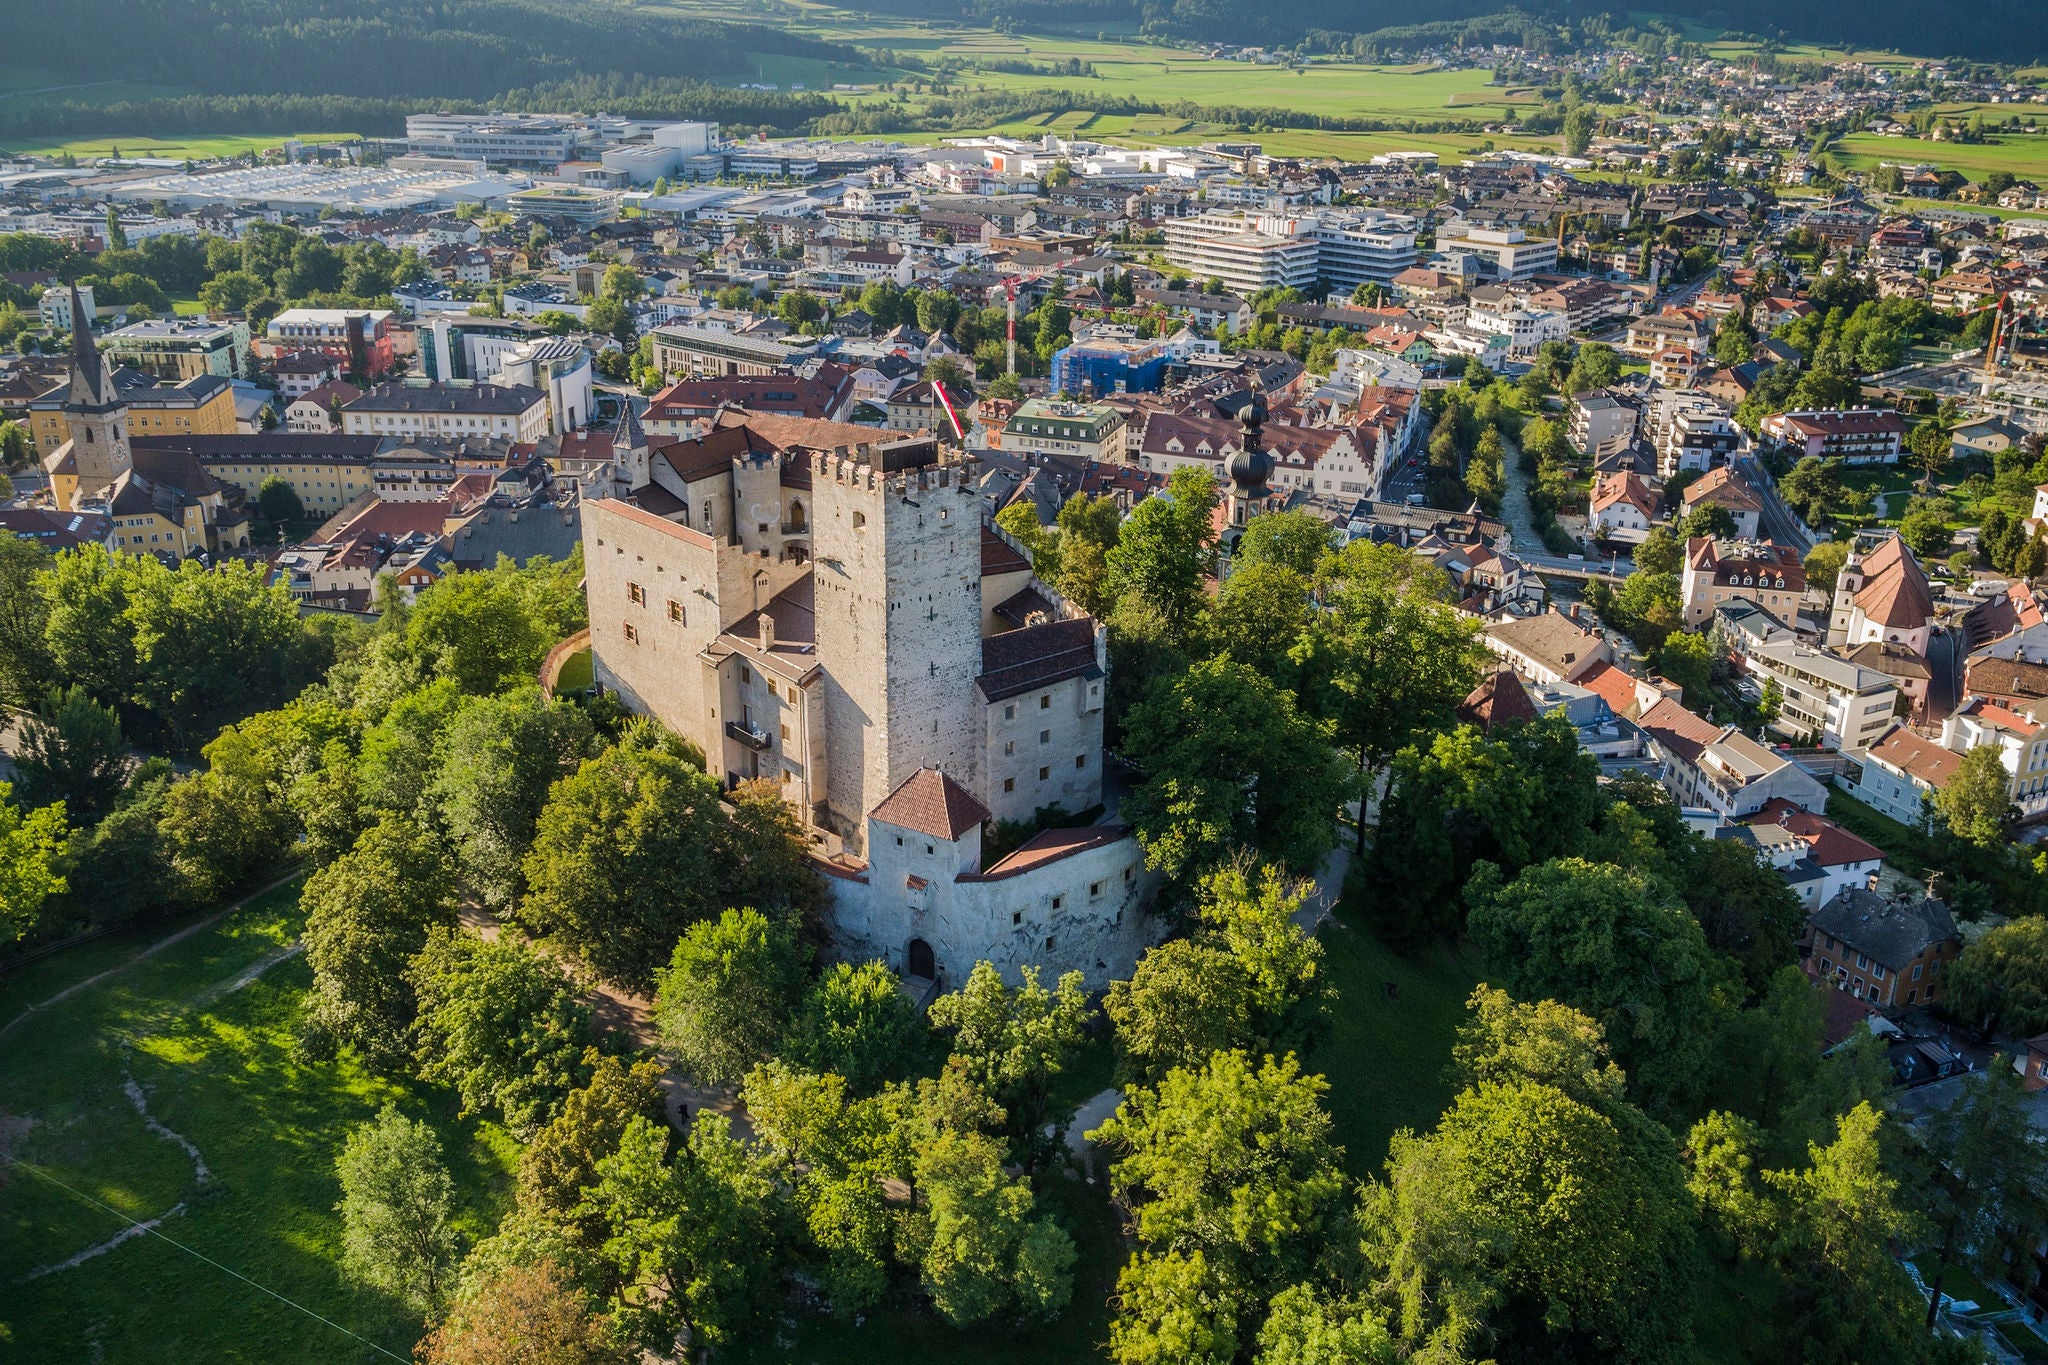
(921,960)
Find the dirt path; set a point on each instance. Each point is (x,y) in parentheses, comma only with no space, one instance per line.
(151,951)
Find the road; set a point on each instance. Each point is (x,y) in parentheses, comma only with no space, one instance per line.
(1777,523)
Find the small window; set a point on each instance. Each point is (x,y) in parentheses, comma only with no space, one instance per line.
(1916,970)
(636,594)
(1095,888)
(1045,736)
(899,841)
(1010,712)
(1009,784)
(676,613)
(632,633)
(860,521)
(746,674)
(785,734)
(1016,917)
(1045,701)
(1080,760)
(1050,938)
(1044,774)
(1057,902)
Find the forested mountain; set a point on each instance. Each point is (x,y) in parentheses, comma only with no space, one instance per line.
(452,49)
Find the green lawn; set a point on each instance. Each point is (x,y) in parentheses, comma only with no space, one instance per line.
(1905,849)
(1387,1060)
(185,147)
(216,1068)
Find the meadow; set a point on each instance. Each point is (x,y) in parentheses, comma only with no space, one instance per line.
(185,147)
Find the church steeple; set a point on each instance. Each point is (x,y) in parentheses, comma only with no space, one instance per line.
(95,412)
(1251,465)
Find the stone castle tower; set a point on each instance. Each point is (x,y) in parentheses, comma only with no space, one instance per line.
(97,416)
(896,556)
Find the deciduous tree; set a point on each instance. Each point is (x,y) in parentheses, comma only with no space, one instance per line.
(724,1001)
(71,751)
(396,1199)
(499,1023)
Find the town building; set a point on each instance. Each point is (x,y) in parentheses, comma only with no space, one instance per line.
(181,348)
(1726,489)
(1717,768)
(452,411)
(702,352)
(203,404)
(1718,571)
(363,339)
(1602,424)
(1840,860)
(1852,435)
(1508,253)
(1900,773)
(1824,699)
(1550,648)
(1888,950)
(1050,426)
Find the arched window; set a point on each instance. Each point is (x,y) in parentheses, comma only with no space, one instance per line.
(796,514)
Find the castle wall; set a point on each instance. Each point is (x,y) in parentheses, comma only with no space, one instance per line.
(1084,912)
(1044,748)
(661,672)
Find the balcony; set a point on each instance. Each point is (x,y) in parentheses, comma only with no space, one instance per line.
(749,735)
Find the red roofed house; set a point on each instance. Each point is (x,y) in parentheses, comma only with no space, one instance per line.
(1722,487)
(1624,508)
(1718,768)
(1902,772)
(1843,859)
(1854,435)
(2021,741)
(1771,576)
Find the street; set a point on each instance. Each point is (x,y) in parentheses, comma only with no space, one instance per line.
(1777,522)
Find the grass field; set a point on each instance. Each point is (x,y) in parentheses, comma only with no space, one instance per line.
(216,1068)
(1387,1059)
(2024,155)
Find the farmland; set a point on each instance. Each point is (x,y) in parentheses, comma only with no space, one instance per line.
(192,147)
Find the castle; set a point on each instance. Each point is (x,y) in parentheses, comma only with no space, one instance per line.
(844,622)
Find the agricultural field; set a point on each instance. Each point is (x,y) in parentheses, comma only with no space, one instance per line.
(2022,154)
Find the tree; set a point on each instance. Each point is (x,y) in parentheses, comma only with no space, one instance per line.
(1012,1042)
(72,751)
(1595,367)
(1503,1041)
(695,1238)
(977,1246)
(1981,1178)
(499,1023)
(32,847)
(1609,942)
(620,283)
(1660,553)
(1247,979)
(1549,1227)
(396,1199)
(1389,656)
(1163,552)
(1813,488)
(1295,540)
(25,665)
(625,856)
(495,763)
(1260,615)
(368,914)
(1928,449)
(2000,983)
(522,1315)
(1233,1160)
(490,630)
(1926,530)
(1226,761)
(1579,123)
(1649,607)
(278,501)
(562,1157)
(1175,1312)
(856,1022)
(1824,564)
(1976,801)
(1709,520)
(725,999)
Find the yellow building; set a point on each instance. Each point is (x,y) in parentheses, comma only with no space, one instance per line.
(201,406)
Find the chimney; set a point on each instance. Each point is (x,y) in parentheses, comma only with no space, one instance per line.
(767,631)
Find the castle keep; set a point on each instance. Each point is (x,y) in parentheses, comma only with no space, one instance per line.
(841,620)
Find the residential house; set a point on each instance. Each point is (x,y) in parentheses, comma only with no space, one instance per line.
(1824,698)
(1900,774)
(1720,769)
(1623,508)
(1843,860)
(1853,435)
(1888,950)
(1884,596)
(1548,648)
(1728,490)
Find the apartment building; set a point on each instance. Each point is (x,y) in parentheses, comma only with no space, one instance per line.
(1852,435)
(1771,576)
(1254,251)
(1602,424)
(1043,426)
(1720,769)
(363,338)
(1697,437)
(1825,698)
(181,348)
(452,411)
(699,351)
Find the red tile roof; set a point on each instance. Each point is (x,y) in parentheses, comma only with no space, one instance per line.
(929,802)
(1496,701)
(1917,757)
(1827,843)
(1049,846)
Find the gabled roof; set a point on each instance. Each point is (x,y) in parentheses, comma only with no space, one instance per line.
(929,802)
(1895,591)
(1017,661)
(1893,932)
(1722,487)
(1496,701)
(1827,843)
(1916,757)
